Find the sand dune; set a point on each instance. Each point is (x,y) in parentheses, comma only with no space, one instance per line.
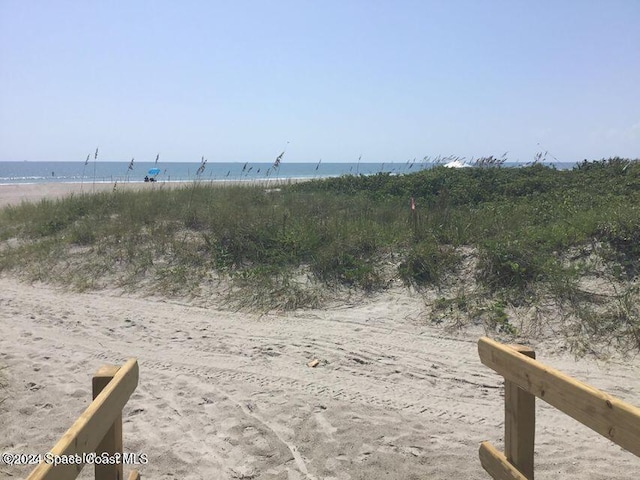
(229,395)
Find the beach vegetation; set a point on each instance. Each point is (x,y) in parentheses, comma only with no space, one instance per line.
(533,233)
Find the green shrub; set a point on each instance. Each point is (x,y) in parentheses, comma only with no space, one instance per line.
(499,320)
(337,266)
(510,263)
(427,263)
(623,236)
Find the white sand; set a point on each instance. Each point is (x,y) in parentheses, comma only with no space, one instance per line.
(229,395)
(226,395)
(14,194)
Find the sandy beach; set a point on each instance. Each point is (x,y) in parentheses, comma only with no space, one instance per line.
(14,194)
(228,395)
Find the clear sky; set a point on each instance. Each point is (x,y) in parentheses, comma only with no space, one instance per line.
(390,80)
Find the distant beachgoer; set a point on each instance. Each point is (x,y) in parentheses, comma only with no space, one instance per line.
(146,178)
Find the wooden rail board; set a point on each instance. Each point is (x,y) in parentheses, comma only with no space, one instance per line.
(496,464)
(610,417)
(89,429)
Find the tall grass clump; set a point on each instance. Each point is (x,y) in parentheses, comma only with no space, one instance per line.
(512,263)
(428,263)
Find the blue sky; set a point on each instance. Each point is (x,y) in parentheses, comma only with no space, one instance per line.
(388,80)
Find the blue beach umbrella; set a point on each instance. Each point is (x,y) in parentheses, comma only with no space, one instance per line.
(154,171)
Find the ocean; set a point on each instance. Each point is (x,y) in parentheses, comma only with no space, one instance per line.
(109,172)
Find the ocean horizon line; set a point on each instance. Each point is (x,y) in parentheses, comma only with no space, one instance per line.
(25,172)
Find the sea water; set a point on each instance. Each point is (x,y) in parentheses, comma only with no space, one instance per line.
(109,172)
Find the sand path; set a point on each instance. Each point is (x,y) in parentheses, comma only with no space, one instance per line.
(229,395)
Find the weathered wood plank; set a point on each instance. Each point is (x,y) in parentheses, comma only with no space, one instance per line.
(519,422)
(610,417)
(134,475)
(90,428)
(112,441)
(496,464)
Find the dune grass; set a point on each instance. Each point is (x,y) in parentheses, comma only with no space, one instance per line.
(534,231)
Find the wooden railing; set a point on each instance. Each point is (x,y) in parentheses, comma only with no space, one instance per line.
(525,379)
(98,430)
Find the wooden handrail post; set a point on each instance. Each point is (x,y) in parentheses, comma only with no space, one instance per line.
(526,378)
(519,422)
(112,441)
